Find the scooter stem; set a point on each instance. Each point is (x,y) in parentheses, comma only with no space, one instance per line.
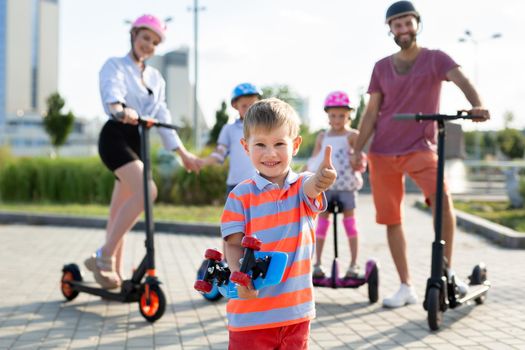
(148,212)
(437,262)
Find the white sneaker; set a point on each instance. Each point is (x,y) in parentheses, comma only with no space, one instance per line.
(318,271)
(352,272)
(404,296)
(462,287)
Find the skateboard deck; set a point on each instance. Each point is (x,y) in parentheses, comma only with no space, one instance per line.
(273,262)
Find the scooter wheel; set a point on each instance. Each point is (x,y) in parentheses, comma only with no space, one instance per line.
(479,276)
(251,242)
(373,285)
(213,254)
(70,272)
(240,278)
(154,309)
(435,315)
(203,286)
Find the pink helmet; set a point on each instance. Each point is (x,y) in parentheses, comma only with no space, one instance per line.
(337,99)
(152,23)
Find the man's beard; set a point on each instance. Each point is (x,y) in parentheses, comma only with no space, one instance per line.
(405,44)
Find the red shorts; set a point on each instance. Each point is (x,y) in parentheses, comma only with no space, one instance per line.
(292,337)
(387,181)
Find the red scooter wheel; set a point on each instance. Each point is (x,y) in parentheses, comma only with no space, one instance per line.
(152,303)
(203,286)
(241,278)
(251,242)
(213,254)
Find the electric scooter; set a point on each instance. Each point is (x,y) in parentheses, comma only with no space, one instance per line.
(371,275)
(441,291)
(144,286)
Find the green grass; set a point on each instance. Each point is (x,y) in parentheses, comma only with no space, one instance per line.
(498,212)
(202,214)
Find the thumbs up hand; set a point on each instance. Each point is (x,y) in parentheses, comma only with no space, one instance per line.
(326,174)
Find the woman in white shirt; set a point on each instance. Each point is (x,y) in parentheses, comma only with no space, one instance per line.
(129,88)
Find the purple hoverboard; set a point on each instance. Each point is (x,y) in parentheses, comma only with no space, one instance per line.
(370,276)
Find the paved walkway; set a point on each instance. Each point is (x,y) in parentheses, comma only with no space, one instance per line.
(33,314)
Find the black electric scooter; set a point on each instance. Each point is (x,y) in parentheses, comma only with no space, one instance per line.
(146,291)
(441,291)
(370,277)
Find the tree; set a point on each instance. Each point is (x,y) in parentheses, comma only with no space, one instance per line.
(489,142)
(282,92)
(511,142)
(359,112)
(57,125)
(308,144)
(221,118)
(508,119)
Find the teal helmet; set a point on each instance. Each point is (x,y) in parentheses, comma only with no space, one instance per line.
(245,89)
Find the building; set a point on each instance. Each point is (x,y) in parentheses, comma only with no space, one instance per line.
(29,32)
(28,42)
(27,137)
(179,91)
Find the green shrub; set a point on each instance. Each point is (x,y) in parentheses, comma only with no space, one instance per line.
(62,180)
(5,156)
(86,180)
(207,187)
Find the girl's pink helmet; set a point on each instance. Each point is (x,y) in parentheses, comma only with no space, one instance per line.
(152,23)
(337,99)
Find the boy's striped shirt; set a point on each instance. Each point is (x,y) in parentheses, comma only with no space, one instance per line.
(283,219)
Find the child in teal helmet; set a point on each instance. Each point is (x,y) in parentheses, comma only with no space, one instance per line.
(229,142)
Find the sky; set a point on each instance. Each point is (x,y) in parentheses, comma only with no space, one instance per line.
(312,46)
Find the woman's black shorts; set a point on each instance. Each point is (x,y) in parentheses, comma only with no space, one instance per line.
(118,144)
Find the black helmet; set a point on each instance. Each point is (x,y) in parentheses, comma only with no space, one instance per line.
(399,9)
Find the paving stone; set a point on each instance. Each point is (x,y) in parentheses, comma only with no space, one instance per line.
(34,315)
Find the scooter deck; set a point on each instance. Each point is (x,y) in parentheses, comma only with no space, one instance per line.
(274,274)
(93,288)
(475,291)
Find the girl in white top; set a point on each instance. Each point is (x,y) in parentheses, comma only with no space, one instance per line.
(129,89)
(341,137)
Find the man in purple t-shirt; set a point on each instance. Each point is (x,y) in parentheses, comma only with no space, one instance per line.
(408,81)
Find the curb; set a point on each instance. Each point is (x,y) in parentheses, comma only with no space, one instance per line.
(171,227)
(497,233)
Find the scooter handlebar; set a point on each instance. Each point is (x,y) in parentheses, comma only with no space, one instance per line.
(463,114)
(150,122)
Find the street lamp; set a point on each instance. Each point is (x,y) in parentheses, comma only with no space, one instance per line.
(196,9)
(469,38)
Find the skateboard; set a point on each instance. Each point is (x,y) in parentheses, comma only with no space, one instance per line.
(263,269)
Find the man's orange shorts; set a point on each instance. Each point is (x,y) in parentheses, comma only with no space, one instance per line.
(387,181)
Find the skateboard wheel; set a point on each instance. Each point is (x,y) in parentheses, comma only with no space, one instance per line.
(251,242)
(203,286)
(240,278)
(213,254)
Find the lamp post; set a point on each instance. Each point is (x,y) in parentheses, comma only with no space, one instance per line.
(470,38)
(196,9)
